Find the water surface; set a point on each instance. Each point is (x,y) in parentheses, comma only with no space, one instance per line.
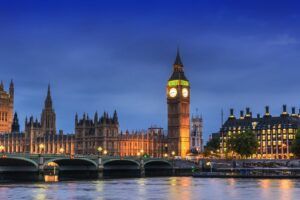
(183,188)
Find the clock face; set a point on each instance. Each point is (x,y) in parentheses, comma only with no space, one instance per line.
(173,92)
(185,92)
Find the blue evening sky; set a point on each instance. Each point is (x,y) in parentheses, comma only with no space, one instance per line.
(106,55)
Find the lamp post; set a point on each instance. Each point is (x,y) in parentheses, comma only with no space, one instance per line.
(105,152)
(41,146)
(99,149)
(2,148)
(61,150)
(173,154)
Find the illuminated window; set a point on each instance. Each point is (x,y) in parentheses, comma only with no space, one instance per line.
(284,136)
(291,137)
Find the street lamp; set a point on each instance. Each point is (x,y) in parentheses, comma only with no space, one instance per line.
(173,153)
(105,152)
(138,154)
(2,148)
(99,151)
(41,147)
(165,155)
(142,151)
(61,150)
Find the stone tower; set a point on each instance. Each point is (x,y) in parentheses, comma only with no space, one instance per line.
(48,118)
(178,100)
(6,108)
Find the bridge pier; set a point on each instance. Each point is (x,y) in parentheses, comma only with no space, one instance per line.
(142,168)
(40,168)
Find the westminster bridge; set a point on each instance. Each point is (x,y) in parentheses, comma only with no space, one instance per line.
(36,166)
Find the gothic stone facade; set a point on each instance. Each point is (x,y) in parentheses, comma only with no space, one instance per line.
(6,108)
(178,100)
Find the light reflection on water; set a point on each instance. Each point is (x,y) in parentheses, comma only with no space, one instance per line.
(184,188)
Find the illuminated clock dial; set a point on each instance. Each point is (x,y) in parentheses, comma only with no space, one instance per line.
(173,92)
(185,92)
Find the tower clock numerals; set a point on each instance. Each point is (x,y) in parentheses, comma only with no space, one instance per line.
(185,92)
(173,92)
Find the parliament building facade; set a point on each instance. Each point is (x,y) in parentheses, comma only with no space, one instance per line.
(99,135)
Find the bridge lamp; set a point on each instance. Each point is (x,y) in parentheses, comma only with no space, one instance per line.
(41,147)
(2,148)
(173,153)
(61,150)
(105,152)
(99,149)
(138,153)
(165,155)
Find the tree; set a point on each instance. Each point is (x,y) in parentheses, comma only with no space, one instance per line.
(245,143)
(212,145)
(295,148)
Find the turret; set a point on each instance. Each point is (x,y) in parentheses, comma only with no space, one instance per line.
(241,114)
(1,86)
(294,111)
(15,127)
(76,119)
(115,117)
(267,111)
(231,116)
(96,117)
(248,113)
(284,110)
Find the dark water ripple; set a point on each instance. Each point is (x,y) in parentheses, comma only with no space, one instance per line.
(184,188)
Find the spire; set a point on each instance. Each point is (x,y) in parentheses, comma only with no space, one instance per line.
(1,86)
(76,118)
(115,117)
(48,101)
(96,117)
(178,59)
(15,125)
(11,89)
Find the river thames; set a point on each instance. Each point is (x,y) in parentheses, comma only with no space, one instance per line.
(156,188)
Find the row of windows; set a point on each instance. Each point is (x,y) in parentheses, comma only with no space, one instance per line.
(3,116)
(290,136)
(254,125)
(269,131)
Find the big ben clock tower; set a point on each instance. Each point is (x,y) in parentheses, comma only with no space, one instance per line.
(178,99)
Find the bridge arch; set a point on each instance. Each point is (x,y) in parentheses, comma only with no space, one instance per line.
(72,162)
(121,168)
(72,168)
(18,161)
(158,168)
(123,161)
(18,169)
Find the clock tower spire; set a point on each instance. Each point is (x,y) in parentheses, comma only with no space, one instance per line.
(178,100)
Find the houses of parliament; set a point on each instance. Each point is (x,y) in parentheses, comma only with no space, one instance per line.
(101,134)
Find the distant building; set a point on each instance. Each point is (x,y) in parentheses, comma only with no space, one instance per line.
(41,137)
(91,134)
(6,108)
(274,133)
(151,142)
(196,134)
